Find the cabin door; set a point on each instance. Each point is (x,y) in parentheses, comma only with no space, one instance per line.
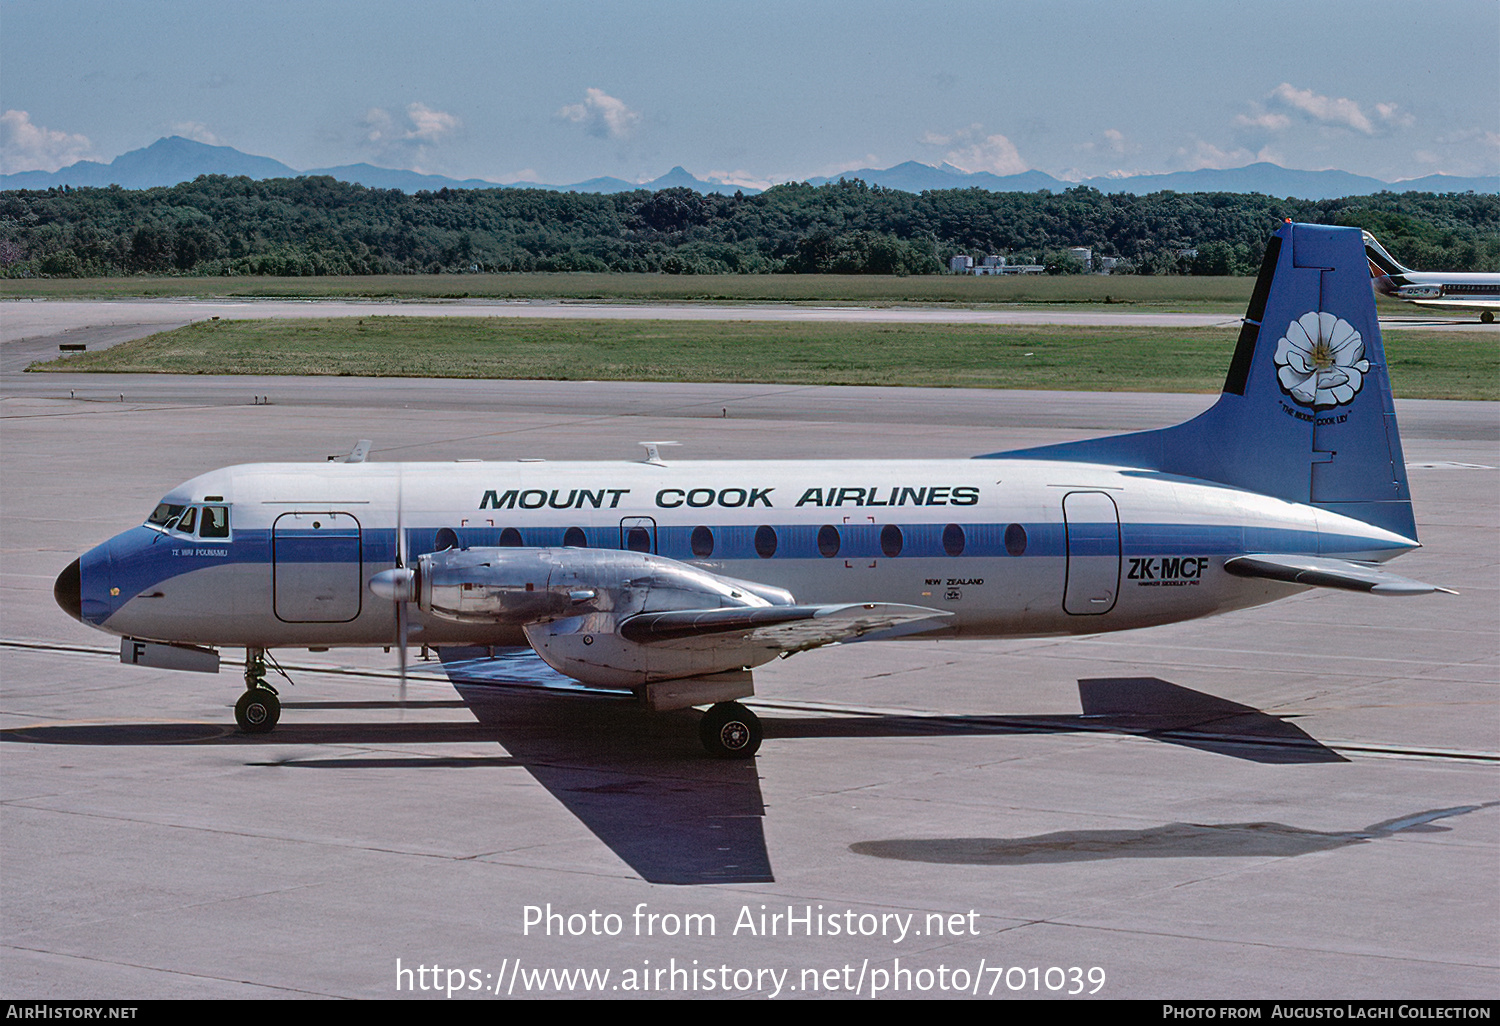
(317,569)
(1093,576)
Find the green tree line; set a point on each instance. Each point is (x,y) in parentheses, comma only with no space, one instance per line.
(316,226)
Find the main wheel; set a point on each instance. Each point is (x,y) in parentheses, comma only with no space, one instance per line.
(257,711)
(730,731)
(1487,318)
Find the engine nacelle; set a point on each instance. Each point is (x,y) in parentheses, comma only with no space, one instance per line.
(571,601)
(590,649)
(1419,292)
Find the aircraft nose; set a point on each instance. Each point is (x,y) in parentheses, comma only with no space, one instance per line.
(68,591)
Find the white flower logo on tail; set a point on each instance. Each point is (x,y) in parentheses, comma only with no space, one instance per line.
(1320,360)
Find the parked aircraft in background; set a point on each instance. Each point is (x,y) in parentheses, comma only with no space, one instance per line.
(674,579)
(1457,290)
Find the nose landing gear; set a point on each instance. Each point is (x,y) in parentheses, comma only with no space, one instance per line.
(259,707)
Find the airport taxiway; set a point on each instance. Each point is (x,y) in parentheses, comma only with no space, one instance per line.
(1298,800)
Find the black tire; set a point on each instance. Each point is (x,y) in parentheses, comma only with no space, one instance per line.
(257,711)
(730,731)
(1487,318)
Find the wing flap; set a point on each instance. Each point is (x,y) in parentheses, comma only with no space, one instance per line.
(1327,572)
(790,628)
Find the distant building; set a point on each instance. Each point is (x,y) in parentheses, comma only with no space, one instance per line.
(1084,256)
(991,264)
(996,264)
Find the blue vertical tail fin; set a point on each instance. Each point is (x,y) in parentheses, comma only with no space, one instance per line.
(1306,413)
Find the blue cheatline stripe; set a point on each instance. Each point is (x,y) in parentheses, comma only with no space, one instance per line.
(139,565)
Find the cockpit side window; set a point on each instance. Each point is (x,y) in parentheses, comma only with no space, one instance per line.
(188,521)
(215,522)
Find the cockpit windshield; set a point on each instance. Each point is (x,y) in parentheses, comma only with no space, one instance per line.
(181,518)
(165,513)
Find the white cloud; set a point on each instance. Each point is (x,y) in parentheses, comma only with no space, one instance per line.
(430,125)
(1265,120)
(1394,115)
(741,179)
(408,143)
(1206,155)
(994,153)
(977,151)
(1114,143)
(602,115)
(196,131)
(28,147)
(1469,151)
(1338,112)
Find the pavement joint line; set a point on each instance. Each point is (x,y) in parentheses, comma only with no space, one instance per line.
(1272,946)
(158,969)
(316,842)
(1061,724)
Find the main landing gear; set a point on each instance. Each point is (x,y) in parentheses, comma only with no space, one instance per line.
(259,707)
(730,731)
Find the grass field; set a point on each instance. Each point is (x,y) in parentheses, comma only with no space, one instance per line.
(1423,364)
(1197,294)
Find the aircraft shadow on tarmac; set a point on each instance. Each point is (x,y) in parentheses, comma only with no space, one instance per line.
(641,783)
(1171,841)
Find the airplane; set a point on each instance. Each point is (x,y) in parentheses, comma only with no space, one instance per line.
(1459,290)
(675,579)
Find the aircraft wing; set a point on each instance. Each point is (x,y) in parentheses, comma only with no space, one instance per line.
(1326,572)
(790,628)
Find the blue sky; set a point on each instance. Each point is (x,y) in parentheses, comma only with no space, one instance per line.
(760,92)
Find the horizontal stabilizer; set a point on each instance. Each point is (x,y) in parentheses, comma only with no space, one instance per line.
(1324,572)
(790,628)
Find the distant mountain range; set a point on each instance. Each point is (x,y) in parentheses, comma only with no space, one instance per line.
(175,159)
(1267,179)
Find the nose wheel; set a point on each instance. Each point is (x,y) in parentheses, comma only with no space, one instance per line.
(259,707)
(257,710)
(730,731)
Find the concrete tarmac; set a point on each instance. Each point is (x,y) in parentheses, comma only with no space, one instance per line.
(1295,801)
(28,327)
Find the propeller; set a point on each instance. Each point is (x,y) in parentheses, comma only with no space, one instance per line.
(400,586)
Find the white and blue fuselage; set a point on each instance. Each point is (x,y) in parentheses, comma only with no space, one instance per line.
(1008,547)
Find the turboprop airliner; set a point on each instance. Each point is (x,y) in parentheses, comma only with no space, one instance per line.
(1458,290)
(675,579)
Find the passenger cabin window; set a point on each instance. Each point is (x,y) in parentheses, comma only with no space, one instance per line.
(574,538)
(765,541)
(214,523)
(1015,540)
(828,541)
(891,541)
(953,540)
(702,542)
